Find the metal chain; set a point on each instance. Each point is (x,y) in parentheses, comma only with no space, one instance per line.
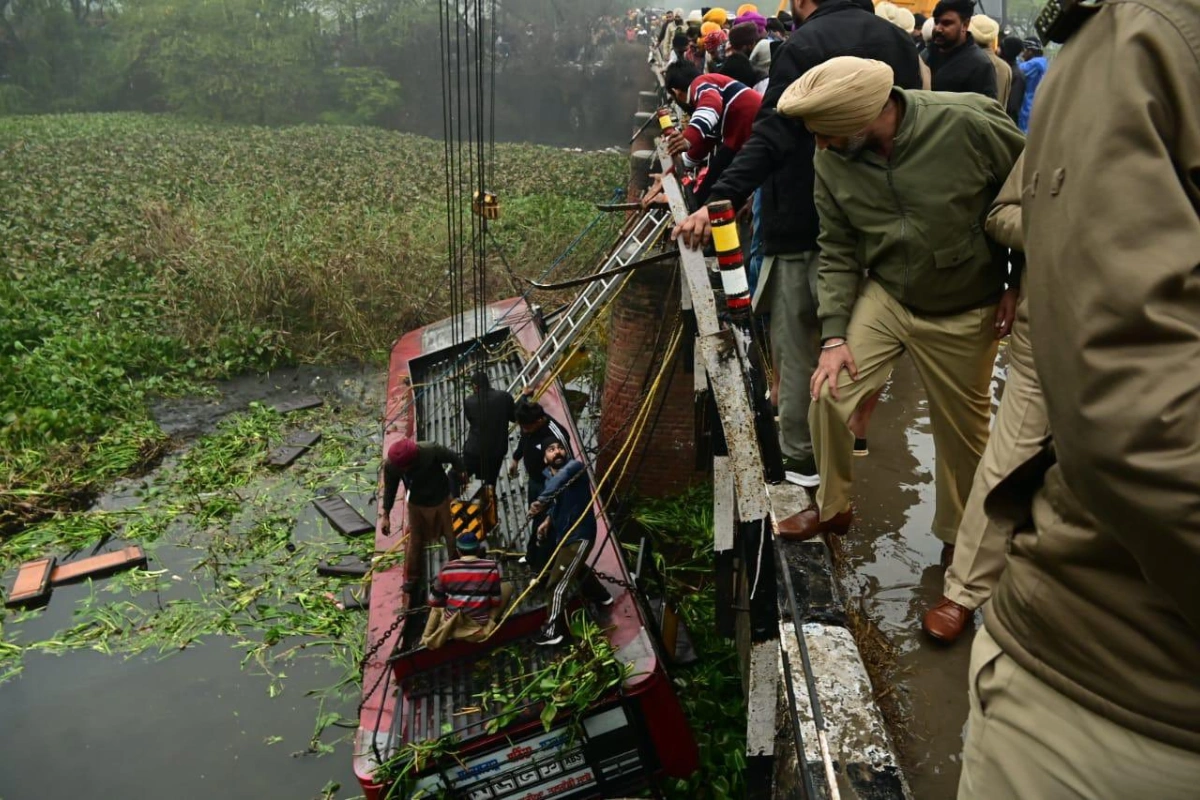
(624,584)
(362,664)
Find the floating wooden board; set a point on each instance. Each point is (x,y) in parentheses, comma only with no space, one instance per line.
(99,566)
(342,516)
(356,599)
(32,585)
(285,456)
(353,567)
(297,403)
(303,439)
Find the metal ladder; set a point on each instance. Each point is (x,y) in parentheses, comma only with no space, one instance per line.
(652,225)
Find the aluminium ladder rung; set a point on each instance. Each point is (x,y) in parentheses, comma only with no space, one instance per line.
(590,300)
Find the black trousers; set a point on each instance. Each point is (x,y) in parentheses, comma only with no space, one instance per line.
(484,466)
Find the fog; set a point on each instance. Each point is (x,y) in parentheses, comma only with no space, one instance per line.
(557,72)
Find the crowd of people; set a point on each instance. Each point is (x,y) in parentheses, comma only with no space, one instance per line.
(927,187)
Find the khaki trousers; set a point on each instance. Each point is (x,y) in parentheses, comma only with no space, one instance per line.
(1029,742)
(426,524)
(1017,435)
(953,355)
(788,290)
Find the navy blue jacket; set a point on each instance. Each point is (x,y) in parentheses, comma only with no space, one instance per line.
(574,503)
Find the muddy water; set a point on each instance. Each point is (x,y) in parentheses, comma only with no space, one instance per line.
(196,723)
(893,571)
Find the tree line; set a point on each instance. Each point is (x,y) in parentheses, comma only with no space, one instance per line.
(257,61)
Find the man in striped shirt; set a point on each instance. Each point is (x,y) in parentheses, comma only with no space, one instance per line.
(722,113)
(466,598)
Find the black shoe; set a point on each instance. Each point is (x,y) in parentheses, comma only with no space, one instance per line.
(548,638)
(801,471)
(860,447)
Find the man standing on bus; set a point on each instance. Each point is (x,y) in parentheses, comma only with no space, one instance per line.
(568,533)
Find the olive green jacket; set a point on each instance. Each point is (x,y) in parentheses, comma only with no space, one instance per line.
(915,222)
(1101,595)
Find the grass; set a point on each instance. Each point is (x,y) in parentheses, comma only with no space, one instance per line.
(711,689)
(142,254)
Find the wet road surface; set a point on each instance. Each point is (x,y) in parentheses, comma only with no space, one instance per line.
(892,571)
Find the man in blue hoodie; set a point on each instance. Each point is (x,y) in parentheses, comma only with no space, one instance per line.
(567,496)
(1033,68)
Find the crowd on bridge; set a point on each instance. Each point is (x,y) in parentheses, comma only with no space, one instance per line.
(916,188)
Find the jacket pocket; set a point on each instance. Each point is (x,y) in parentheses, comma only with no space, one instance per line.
(956,254)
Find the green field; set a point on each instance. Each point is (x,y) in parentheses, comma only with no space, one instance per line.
(140,255)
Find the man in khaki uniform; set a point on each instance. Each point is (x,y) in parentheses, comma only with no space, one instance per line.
(1085,681)
(1019,432)
(904,181)
(985,31)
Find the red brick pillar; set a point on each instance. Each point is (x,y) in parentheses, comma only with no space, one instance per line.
(663,461)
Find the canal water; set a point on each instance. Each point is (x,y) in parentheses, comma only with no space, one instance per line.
(204,720)
(199,722)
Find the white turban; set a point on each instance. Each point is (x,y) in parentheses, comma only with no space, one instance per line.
(678,14)
(927,30)
(984,29)
(902,18)
(839,97)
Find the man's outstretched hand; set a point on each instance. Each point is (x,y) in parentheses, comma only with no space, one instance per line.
(695,231)
(677,143)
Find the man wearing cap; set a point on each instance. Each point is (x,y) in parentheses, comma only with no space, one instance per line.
(466,598)
(1033,69)
(569,530)
(985,31)
(538,429)
(957,64)
(904,181)
(489,412)
(778,156)
(421,467)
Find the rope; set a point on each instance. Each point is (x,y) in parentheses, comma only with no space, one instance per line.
(624,454)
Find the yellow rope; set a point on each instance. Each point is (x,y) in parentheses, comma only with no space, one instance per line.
(626,453)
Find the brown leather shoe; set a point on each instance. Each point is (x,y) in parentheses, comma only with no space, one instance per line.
(947,555)
(808,523)
(947,620)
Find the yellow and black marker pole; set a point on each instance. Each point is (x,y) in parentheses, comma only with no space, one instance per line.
(736,286)
(729,258)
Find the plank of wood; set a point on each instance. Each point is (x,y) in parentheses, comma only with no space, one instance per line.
(353,567)
(356,599)
(32,584)
(297,403)
(282,457)
(99,566)
(304,438)
(342,516)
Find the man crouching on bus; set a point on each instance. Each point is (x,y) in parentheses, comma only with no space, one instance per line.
(466,598)
(568,532)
